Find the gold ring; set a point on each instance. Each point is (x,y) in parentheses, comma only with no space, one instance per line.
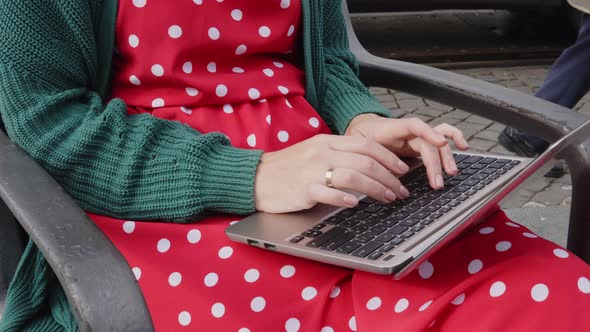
(328,178)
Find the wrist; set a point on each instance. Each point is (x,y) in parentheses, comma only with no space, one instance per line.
(357,120)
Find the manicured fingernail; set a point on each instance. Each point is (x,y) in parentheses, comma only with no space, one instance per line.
(453,166)
(390,195)
(350,201)
(403,166)
(404,192)
(439,181)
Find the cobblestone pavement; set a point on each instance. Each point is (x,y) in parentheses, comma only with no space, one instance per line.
(482,133)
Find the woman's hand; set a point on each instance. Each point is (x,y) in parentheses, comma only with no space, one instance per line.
(413,137)
(294,178)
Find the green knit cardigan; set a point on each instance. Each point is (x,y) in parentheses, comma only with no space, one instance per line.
(55,69)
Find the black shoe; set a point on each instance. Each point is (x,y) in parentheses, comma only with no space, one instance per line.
(528,146)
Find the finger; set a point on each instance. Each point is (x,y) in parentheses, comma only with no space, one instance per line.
(405,129)
(372,149)
(448,160)
(371,168)
(322,194)
(348,179)
(453,133)
(431,159)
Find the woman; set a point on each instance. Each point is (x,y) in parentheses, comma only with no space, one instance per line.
(122,101)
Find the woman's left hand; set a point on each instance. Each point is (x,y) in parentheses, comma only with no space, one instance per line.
(412,137)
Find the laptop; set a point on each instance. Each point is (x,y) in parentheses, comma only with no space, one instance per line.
(396,238)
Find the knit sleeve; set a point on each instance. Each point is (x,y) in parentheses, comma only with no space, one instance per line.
(129,167)
(343,96)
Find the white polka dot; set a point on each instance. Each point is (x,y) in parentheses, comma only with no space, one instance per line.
(498,288)
(174,279)
(218,310)
(158,102)
(191,91)
(251,140)
(225,252)
(139,3)
(133,41)
(264,31)
(529,235)
(134,80)
(163,245)
(426,270)
(212,67)
(241,49)
(486,230)
(352,323)
(238,70)
(431,324)
(314,122)
(262,100)
(459,299)
(253,93)
(475,266)
(211,279)
(285,4)
(561,253)
(374,303)
(291,30)
(539,292)
(292,325)
(401,305)
(128,227)
(327,329)
(193,236)
(221,90)
(157,70)
(511,224)
(268,72)
(251,275)
(213,33)
(234,222)
(278,64)
(198,2)
(228,109)
(268,119)
(334,292)
(309,293)
(425,306)
(175,31)
(136,272)
(186,110)
(584,285)
(503,246)
(283,89)
(187,67)
(257,304)
(283,136)
(288,103)
(237,14)
(243,329)
(184,318)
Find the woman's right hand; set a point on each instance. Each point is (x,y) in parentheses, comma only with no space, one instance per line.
(294,178)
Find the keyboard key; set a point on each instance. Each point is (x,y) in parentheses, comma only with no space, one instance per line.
(503,161)
(312,233)
(348,247)
(368,200)
(364,238)
(420,215)
(410,221)
(472,159)
(479,176)
(489,170)
(323,238)
(334,220)
(385,237)
(387,247)
(319,226)
(397,241)
(515,162)
(460,157)
(367,249)
(471,182)
(337,241)
(408,234)
(452,195)
(418,228)
(397,229)
(375,255)
(478,166)
(297,239)
(487,160)
(469,171)
(346,212)
(431,208)
(496,165)
(373,208)
(453,183)
(463,165)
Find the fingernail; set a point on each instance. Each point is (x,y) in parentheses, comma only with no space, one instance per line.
(465,142)
(453,166)
(439,181)
(390,195)
(442,139)
(404,192)
(403,166)
(350,201)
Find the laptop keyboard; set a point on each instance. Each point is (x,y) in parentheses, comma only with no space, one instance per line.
(372,228)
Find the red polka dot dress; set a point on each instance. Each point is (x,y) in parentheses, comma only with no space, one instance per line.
(232,66)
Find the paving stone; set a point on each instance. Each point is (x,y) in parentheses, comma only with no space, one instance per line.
(390,105)
(517,199)
(439,106)
(480,144)
(398,112)
(378,91)
(566,179)
(428,111)
(469,129)
(479,120)
(411,104)
(458,114)
(488,135)
(403,96)
(499,149)
(421,117)
(385,98)
(537,183)
(553,195)
(497,127)
(443,119)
